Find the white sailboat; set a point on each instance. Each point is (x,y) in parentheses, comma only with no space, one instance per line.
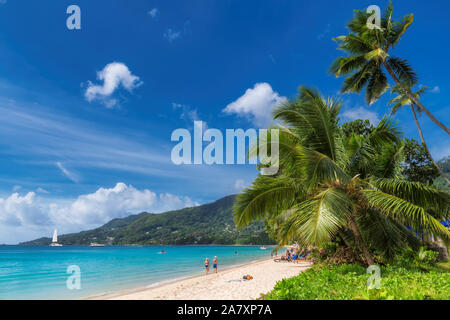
(55,240)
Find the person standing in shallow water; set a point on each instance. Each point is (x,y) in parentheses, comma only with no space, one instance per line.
(215,264)
(207,265)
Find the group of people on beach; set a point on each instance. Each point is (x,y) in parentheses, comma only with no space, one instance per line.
(215,265)
(292,254)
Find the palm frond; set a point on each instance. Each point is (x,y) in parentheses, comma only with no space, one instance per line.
(356,82)
(319,169)
(384,234)
(364,151)
(402,98)
(376,86)
(358,24)
(388,163)
(428,197)
(398,29)
(403,70)
(319,218)
(313,118)
(354,44)
(346,65)
(405,212)
(266,197)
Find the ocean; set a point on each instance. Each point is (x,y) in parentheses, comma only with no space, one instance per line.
(42,272)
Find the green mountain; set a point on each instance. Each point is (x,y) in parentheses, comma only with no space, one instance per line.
(206,224)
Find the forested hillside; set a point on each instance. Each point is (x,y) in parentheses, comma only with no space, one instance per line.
(206,224)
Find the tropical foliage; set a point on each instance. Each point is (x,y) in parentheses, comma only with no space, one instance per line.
(369,54)
(359,127)
(417,165)
(403,100)
(345,282)
(331,184)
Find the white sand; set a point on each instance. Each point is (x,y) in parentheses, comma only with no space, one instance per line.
(220,286)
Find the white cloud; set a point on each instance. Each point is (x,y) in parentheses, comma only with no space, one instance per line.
(113,75)
(189,115)
(351,114)
(240,184)
(17,210)
(105,204)
(172,35)
(41,190)
(256,104)
(87,211)
(171,202)
(436,89)
(154,13)
(117,202)
(16,188)
(66,172)
(325,32)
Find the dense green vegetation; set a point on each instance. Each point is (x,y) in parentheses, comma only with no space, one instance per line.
(357,194)
(206,224)
(361,184)
(417,163)
(335,185)
(410,277)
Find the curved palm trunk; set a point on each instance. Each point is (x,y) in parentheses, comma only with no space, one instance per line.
(360,241)
(413,98)
(425,145)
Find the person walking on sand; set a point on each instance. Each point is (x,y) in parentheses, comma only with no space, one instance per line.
(215,264)
(207,265)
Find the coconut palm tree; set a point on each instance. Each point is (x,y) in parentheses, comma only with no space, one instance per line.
(403,100)
(368,52)
(328,184)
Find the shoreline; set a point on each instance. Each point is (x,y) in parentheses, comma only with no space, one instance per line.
(227,284)
(165,282)
(144,245)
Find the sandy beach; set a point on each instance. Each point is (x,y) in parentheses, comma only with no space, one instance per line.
(225,285)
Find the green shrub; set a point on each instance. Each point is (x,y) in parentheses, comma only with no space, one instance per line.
(427,257)
(410,259)
(349,281)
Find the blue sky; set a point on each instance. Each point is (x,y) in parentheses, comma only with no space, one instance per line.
(78,150)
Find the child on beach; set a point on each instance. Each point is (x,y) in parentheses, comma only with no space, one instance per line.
(215,264)
(207,265)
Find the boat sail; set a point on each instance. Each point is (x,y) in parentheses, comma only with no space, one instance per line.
(55,240)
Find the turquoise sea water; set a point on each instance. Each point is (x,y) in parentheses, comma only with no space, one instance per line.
(41,272)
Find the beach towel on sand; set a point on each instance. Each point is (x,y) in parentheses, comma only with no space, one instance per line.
(244,278)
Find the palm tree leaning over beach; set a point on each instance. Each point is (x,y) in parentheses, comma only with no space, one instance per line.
(403,100)
(328,184)
(368,52)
